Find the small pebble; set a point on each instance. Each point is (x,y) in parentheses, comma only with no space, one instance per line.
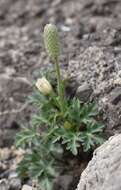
(15,184)
(4,184)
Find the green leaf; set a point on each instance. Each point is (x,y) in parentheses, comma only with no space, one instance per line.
(37,99)
(38,120)
(26,136)
(88,112)
(92,136)
(72,141)
(95,127)
(46,184)
(87,141)
(73,112)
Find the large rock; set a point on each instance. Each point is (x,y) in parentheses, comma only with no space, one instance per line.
(104,170)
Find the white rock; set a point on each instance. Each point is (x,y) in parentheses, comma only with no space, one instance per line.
(26,187)
(104,170)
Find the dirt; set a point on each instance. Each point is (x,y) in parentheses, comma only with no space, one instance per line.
(82,24)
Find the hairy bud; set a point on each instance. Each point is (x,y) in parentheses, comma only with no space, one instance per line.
(51,40)
(44,86)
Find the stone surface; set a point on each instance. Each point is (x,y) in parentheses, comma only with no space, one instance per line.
(26,187)
(84,92)
(15,184)
(4,184)
(104,170)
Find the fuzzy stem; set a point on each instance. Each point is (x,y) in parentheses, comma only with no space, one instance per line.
(60,85)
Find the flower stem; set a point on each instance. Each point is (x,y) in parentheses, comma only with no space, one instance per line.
(60,86)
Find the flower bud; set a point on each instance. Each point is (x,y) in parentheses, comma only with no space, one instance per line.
(51,40)
(44,86)
(67,125)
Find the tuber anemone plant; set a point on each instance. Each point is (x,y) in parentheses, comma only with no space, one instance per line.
(60,123)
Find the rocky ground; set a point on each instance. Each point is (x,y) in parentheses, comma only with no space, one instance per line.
(91,55)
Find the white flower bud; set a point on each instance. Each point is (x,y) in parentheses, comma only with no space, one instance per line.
(51,40)
(44,86)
